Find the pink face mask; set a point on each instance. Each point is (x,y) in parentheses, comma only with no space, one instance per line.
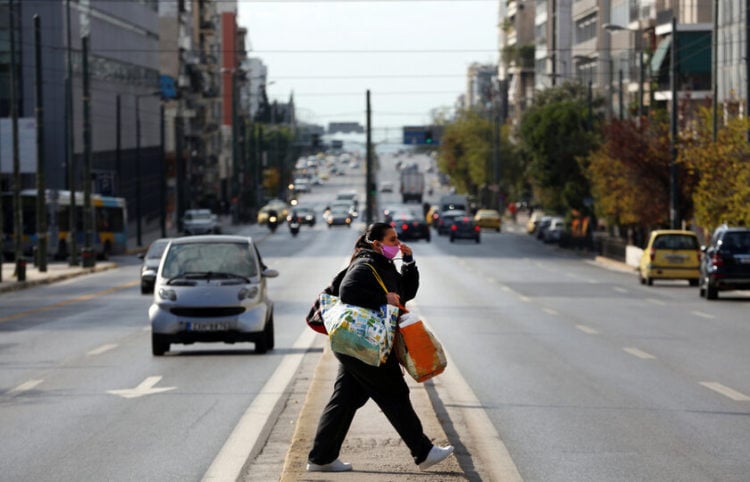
(390,252)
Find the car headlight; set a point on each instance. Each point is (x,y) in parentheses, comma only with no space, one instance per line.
(250,293)
(168,294)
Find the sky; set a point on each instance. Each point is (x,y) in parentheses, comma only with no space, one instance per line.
(412,55)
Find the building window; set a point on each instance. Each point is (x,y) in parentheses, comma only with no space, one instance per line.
(586,28)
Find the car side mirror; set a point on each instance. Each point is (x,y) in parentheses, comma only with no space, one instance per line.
(270,273)
(141,255)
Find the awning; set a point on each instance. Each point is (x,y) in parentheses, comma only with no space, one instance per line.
(660,54)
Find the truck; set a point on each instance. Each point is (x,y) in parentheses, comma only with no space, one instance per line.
(412,185)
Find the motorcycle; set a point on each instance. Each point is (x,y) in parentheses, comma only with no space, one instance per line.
(273,223)
(294,227)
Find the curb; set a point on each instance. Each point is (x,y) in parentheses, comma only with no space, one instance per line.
(20,285)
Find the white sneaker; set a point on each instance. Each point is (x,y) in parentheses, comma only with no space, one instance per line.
(335,466)
(436,455)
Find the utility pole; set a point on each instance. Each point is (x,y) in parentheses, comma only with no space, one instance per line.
(138,211)
(41,197)
(17,208)
(70,147)
(747,62)
(674,215)
(87,253)
(714,70)
(369,178)
(162,175)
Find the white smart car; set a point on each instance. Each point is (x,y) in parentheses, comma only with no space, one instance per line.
(211,289)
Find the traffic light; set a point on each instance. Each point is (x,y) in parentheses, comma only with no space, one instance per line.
(428,137)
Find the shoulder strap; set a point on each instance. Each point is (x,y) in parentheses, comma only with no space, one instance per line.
(377,277)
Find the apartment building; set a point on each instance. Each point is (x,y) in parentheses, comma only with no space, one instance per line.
(517,49)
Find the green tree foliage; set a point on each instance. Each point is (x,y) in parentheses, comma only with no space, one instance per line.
(466,155)
(554,133)
(722,191)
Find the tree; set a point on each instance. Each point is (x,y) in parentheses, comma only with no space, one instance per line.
(555,135)
(466,155)
(722,191)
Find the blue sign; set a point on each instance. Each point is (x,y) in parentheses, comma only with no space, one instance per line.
(167,87)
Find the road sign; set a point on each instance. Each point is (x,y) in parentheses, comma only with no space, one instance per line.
(422,135)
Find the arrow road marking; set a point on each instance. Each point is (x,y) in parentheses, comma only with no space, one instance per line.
(145,388)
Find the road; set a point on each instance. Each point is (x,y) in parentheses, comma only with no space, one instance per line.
(585,374)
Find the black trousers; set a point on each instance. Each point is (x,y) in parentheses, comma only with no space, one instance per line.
(357,382)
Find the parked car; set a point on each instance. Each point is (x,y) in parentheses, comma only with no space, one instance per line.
(554,231)
(533,223)
(670,254)
(489,218)
(339,216)
(408,226)
(445,220)
(211,289)
(464,227)
(542,226)
(151,259)
(200,221)
(725,264)
(386,186)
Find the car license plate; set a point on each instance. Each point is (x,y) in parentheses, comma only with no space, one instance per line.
(675,258)
(743,259)
(208,326)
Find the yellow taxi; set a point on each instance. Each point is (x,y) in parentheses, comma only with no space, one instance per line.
(533,222)
(281,208)
(488,218)
(671,254)
(432,215)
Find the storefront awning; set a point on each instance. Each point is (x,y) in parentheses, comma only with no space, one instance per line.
(660,54)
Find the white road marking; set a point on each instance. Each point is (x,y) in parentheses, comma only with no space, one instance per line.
(587,329)
(246,436)
(146,387)
(620,289)
(550,311)
(703,315)
(639,353)
(26,386)
(655,301)
(102,349)
(726,391)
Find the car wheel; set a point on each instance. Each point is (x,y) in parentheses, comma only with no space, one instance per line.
(428,239)
(477,239)
(159,344)
(270,339)
(146,289)
(649,281)
(453,238)
(693,282)
(712,292)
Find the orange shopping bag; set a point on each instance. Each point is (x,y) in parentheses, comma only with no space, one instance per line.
(417,349)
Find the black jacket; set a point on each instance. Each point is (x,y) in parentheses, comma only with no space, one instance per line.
(360,287)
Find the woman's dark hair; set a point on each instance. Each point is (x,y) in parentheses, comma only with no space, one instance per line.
(375,232)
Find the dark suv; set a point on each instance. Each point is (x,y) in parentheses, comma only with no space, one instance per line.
(725,264)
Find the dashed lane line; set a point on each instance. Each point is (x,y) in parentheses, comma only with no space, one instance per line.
(587,329)
(26,386)
(726,391)
(102,349)
(550,311)
(708,316)
(638,353)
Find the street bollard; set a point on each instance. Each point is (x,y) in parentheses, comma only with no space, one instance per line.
(88,258)
(21,269)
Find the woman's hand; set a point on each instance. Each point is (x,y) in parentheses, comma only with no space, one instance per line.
(393,298)
(405,249)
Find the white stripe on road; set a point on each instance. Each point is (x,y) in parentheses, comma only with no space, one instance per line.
(550,311)
(638,353)
(102,349)
(246,438)
(620,289)
(703,315)
(726,391)
(587,329)
(655,301)
(26,386)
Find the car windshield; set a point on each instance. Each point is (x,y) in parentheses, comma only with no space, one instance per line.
(210,258)
(676,241)
(737,242)
(198,216)
(157,249)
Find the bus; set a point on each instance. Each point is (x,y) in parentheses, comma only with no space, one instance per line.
(109,223)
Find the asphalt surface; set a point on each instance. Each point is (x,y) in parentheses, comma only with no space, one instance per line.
(373,447)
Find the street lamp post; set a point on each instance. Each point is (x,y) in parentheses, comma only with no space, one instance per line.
(609,27)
